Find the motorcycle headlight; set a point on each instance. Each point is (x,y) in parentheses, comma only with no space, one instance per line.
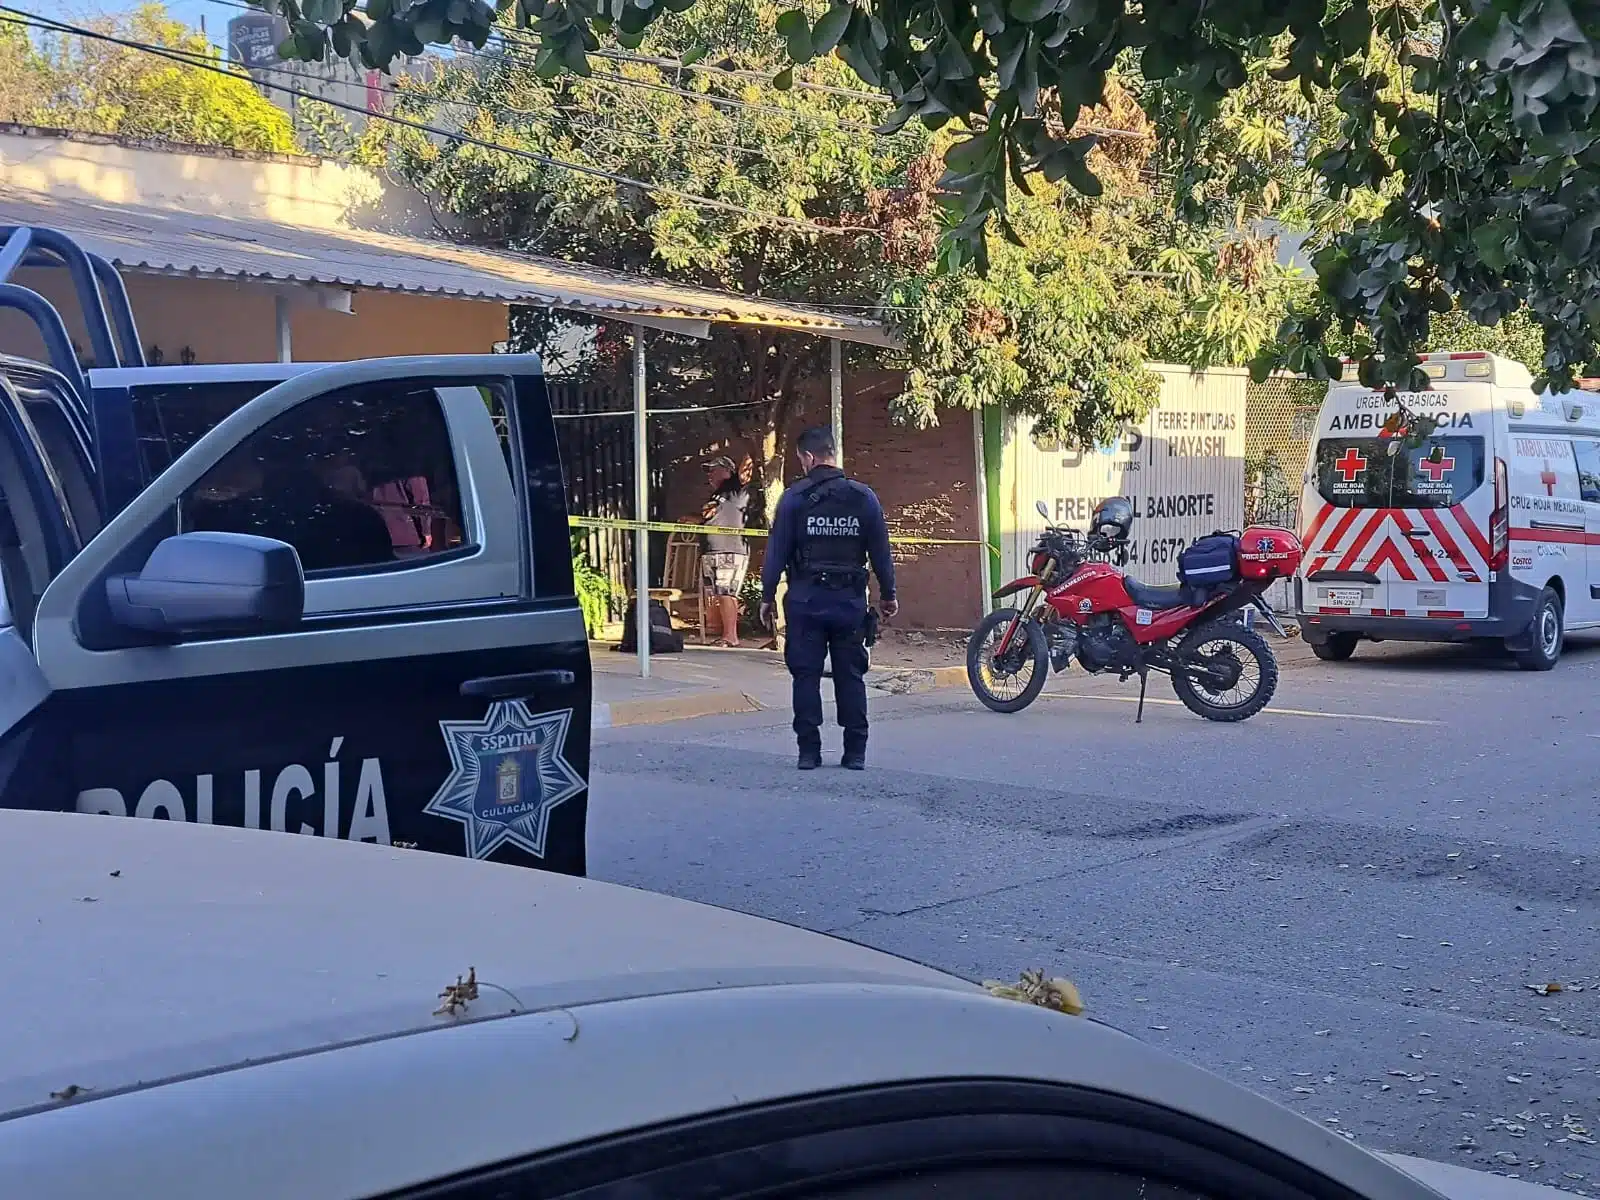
(1039,564)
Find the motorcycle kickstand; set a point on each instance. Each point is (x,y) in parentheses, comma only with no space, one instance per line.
(1144,679)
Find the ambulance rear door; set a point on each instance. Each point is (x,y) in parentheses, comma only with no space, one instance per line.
(1397,525)
(1441,496)
(1345,498)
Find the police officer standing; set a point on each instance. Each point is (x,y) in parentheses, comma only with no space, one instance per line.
(824,532)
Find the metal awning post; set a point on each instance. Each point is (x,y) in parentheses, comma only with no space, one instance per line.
(641,509)
(836,396)
(285,330)
(981,477)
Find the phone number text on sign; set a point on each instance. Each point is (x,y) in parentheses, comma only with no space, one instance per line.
(1160,550)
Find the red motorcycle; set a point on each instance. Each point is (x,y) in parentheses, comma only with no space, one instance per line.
(1201,633)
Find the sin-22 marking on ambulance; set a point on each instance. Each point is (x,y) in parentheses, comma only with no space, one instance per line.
(508,774)
(290,797)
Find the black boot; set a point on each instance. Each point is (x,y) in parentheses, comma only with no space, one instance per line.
(809,760)
(854,760)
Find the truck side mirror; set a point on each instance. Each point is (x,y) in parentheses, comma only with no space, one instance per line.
(204,582)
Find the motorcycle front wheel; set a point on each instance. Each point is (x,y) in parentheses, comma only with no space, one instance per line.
(1008,682)
(1225,672)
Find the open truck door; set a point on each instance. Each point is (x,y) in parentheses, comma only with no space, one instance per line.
(347,610)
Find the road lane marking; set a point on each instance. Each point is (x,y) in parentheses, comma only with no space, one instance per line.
(1281,712)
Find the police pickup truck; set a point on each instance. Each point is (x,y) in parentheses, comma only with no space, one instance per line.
(321,599)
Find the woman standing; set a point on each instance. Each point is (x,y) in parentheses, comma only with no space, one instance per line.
(726,556)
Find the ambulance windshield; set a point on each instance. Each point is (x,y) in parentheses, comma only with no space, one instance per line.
(1360,472)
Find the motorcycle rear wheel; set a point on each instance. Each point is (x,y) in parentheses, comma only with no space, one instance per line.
(1032,656)
(1250,652)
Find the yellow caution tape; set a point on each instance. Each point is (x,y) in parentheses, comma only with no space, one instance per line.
(677,527)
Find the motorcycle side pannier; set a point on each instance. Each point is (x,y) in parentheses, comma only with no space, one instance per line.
(1268,553)
(1209,561)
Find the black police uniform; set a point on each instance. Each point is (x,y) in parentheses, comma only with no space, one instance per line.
(825,530)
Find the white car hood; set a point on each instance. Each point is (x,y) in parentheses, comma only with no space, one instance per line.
(1463,1183)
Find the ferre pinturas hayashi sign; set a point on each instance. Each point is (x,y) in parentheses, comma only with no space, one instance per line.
(1182,468)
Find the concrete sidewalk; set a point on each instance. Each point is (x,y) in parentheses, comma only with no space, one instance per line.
(707,681)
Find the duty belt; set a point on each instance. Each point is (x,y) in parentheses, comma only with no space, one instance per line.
(842,577)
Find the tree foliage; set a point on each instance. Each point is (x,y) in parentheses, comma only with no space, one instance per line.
(1062,324)
(99,87)
(826,212)
(1473,121)
(787,167)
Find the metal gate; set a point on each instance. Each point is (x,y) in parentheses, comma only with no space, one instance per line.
(1279,416)
(594,430)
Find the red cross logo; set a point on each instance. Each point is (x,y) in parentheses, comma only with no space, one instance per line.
(1548,478)
(1435,470)
(1351,465)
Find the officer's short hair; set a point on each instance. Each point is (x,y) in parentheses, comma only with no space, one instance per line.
(817,442)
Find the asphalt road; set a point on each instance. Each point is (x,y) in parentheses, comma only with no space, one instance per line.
(1340,904)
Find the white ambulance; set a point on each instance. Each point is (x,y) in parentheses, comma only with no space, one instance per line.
(1486,528)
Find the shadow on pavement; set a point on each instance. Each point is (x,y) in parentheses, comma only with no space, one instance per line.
(1455,656)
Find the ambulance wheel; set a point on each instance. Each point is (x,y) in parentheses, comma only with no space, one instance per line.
(1338,647)
(1546,634)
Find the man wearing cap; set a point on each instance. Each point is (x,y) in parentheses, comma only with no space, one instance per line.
(825,532)
(726,556)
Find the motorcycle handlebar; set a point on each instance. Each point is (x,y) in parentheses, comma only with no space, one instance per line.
(1094,543)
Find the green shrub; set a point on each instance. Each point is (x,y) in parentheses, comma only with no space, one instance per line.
(593,589)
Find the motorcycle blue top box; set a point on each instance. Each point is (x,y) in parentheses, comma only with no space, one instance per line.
(324,599)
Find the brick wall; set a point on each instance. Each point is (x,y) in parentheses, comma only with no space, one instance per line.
(926,480)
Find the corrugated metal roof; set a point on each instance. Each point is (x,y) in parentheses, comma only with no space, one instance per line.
(166,242)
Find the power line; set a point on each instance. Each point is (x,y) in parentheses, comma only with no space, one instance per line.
(516,42)
(671,64)
(511,38)
(35,21)
(668,64)
(660,412)
(516,45)
(703,97)
(403,94)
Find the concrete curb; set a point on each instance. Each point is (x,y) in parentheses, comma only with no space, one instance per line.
(671,708)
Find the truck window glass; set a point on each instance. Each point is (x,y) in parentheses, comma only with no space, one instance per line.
(1361,473)
(353,480)
(169,418)
(1588,468)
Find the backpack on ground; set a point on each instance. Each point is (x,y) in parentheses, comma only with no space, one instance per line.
(664,639)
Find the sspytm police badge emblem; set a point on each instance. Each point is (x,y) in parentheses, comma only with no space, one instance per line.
(507,776)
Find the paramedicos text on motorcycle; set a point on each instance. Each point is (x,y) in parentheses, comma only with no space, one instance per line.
(1077,605)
